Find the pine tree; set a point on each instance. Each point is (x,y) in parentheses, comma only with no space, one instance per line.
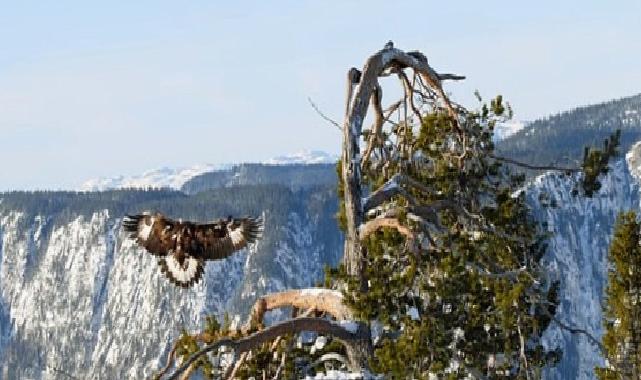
(466,297)
(622,310)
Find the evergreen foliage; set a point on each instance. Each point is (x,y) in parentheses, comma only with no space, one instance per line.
(595,163)
(471,297)
(622,311)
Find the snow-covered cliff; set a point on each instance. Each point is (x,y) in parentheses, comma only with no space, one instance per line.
(79,299)
(582,229)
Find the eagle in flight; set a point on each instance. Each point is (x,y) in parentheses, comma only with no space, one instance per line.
(183,246)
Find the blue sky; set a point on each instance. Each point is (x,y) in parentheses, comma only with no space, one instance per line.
(92,89)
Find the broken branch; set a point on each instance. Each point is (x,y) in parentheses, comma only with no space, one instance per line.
(325,300)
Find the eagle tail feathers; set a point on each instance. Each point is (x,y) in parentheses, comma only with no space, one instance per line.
(183,277)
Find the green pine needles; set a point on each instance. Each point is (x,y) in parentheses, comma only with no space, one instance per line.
(622,314)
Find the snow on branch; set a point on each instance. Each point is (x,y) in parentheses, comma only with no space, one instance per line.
(393,187)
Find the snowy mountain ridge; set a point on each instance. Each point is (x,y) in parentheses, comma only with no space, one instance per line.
(152,179)
(304,157)
(175,178)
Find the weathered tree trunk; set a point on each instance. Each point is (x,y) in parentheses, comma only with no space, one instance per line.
(366,83)
(351,179)
(357,102)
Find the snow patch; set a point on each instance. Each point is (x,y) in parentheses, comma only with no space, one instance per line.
(157,178)
(304,157)
(507,129)
(633,159)
(350,326)
(413,313)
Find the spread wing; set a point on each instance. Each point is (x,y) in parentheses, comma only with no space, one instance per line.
(217,240)
(184,246)
(152,231)
(184,274)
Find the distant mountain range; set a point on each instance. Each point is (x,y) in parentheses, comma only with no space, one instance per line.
(557,139)
(560,139)
(175,178)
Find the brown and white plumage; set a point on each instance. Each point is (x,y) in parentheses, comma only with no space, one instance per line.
(184,246)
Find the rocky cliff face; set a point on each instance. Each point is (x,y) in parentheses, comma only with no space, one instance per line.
(582,230)
(79,299)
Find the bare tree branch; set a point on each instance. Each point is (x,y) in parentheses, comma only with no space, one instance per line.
(522,350)
(236,367)
(280,366)
(190,370)
(378,223)
(390,189)
(326,300)
(450,77)
(376,131)
(409,93)
(293,326)
(199,337)
(534,167)
(321,114)
(576,330)
(169,362)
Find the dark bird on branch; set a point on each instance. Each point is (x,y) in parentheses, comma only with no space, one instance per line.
(183,246)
